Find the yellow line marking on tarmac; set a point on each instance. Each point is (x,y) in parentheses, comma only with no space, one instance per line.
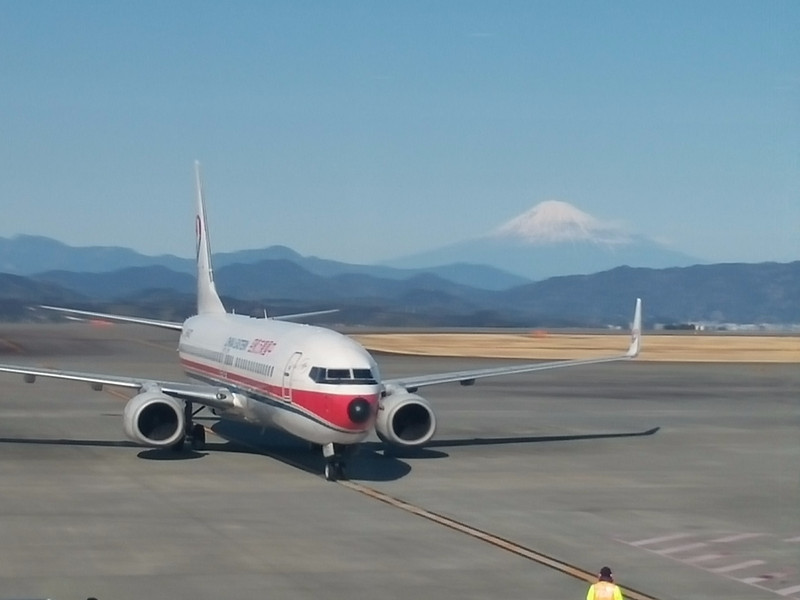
(494,540)
(117,393)
(497,541)
(14,347)
(509,546)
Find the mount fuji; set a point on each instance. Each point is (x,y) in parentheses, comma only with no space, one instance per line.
(551,239)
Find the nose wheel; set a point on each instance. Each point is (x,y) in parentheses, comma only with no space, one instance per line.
(334,470)
(334,462)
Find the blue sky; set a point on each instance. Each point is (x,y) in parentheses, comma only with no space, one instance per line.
(363,131)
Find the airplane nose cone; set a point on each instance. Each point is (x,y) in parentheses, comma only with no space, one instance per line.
(358,410)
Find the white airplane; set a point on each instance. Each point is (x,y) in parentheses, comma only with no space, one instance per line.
(311,382)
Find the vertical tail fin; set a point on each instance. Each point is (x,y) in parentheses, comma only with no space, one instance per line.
(208,301)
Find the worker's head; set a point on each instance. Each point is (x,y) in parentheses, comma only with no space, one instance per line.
(605,574)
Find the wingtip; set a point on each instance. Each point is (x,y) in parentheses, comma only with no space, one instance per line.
(636,331)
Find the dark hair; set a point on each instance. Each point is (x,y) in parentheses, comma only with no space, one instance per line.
(605,574)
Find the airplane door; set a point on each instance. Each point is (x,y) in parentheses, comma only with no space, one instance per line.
(288,370)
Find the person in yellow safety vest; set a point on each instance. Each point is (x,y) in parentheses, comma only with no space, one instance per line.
(605,588)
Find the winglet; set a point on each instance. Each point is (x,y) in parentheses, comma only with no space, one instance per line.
(636,331)
(207,298)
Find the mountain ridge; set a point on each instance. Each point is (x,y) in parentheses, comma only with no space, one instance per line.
(31,255)
(729,292)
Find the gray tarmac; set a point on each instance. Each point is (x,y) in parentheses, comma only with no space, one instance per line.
(563,462)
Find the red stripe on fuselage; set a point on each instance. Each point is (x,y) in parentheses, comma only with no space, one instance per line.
(324,405)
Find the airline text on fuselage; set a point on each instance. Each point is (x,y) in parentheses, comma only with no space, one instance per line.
(256,346)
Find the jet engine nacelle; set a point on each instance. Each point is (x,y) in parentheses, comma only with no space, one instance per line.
(154,419)
(405,419)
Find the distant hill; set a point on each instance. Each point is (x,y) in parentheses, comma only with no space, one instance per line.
(120,283)
(735,293)
(33,255)
(29,254)
(267,280)
(14,287)
(18,293)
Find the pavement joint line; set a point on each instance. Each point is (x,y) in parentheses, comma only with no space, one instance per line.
(497,541)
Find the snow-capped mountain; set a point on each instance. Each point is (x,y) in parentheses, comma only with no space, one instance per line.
(553,238)
(554,221)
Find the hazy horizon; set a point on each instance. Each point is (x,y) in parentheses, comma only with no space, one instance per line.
(363,131)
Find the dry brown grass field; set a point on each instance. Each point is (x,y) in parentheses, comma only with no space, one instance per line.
(555,346)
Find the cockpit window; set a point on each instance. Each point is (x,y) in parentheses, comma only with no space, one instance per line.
(363,374)
(342,376)
(338,374)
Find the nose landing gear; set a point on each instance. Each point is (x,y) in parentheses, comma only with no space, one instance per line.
(334,462)
(334,470)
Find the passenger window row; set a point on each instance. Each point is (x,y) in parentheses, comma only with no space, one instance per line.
(255,367)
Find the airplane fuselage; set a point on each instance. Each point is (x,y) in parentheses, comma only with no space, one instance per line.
(312,382)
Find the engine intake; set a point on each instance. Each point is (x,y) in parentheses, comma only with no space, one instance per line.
(154,419)
(405,420)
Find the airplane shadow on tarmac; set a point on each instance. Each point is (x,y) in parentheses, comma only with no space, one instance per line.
(373,460)
(369,461)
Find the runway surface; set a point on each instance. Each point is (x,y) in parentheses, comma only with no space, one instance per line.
(565,463)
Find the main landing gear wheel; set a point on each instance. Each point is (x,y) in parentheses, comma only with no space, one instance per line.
(194,433)
(197,440)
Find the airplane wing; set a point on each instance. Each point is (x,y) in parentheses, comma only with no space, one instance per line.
(165,324)
(468,377)
(207,395)
(303,315)
(123,318)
